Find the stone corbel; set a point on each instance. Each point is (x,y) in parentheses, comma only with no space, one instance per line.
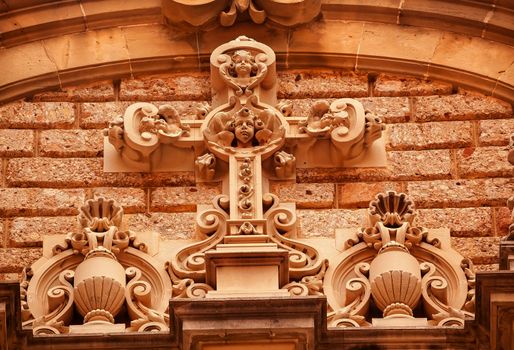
(146,139)
(337,134)
(206,13)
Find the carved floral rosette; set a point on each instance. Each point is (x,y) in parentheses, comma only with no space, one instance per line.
(98,272)
(400,269)
(203,13)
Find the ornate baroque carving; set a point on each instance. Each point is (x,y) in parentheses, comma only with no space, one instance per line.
(204,12)
(89,272)
(398,266)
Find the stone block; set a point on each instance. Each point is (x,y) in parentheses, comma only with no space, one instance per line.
(323,223)
(36,201)
(168,225)
(461,193)
(321,84)
(16,143)
(99,91)
(28,232)
(359,194)
(462,222)
(193,86)
(13,260)
(454,50)
(459,107)
(38,115)
(495,132)
(83,172)
(409,43)
(481,250)
(487,267)
(133,200)
(389,109)
(402,165)
(10,276)
(391,85)
(305,195)
(503,216)
(484,162)
(325,38)
(89,48)
(411,136)
(71,143)
(98,115)
(176,199)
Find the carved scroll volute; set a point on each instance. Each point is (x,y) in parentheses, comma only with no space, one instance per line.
(226,60)
(351,131)
(143,128)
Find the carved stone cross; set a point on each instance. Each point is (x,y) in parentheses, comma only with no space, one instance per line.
(259,142)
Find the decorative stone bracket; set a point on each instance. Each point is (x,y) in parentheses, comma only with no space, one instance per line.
(409,274)
(205,13)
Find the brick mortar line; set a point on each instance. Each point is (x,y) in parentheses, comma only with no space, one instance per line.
(148,194)
(494,213)
(475,132)
(336,196)
(6,233)
(37,137)
(77,112)
(412,110)
(3,180)
(454,169)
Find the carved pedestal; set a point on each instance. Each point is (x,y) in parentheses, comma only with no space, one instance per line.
(247,266)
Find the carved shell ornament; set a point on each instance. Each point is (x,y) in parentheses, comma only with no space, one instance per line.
(101,272)
(394,266)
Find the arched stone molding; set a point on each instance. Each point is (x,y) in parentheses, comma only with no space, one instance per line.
(24,21)
(125,51)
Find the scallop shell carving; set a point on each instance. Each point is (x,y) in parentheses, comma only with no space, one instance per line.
(396,287)
(99,293)
(392,209)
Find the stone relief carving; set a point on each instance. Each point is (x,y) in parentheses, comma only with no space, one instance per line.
(138,135)
(206,12)
(98,272)
(394,266)
(107,274)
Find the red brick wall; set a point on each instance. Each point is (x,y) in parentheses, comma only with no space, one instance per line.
(446,150)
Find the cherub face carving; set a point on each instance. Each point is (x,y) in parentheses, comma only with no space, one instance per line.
(243,63)
(244,128)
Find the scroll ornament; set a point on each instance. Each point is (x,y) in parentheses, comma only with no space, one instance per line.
(399,266)
(98,272)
